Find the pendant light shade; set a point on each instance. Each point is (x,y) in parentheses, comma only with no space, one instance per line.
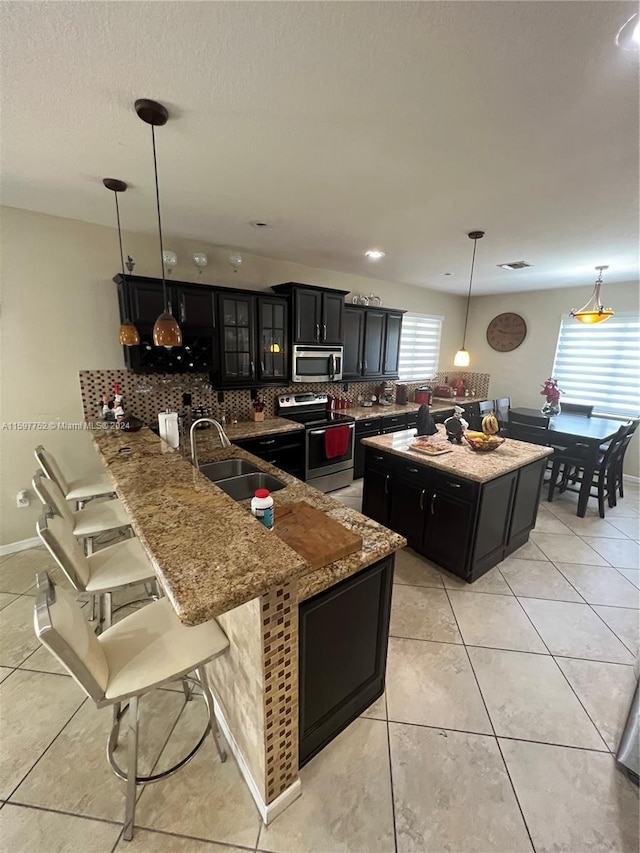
(594,311)
(128,334)
(166,331)
(462,357)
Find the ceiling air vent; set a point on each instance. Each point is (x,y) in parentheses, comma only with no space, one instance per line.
(515,265)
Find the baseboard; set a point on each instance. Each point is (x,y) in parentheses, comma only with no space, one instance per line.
(631,477)
(268,812)
(22,545)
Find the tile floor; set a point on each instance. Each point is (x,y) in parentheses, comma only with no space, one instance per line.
(504,703)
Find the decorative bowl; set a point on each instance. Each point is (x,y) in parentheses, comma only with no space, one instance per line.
(483,443)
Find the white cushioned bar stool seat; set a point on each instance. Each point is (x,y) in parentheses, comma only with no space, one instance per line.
(101,573)
(143,651)
(86,523)
(80,490)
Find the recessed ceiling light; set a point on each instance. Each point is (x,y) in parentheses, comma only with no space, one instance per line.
(374,254)
(259,223)
(447,273)
(515,265)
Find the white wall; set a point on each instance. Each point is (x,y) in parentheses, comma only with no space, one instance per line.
(59,315)
(520,374)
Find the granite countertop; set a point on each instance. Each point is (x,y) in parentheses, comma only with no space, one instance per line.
(254,429)
(463,462)
(438,405)
(208,551)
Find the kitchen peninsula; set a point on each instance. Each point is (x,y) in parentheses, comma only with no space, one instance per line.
(307,647)
(464,510)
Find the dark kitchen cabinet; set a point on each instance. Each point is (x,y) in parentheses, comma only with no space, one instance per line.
(273,350)
(393,329)
(525,507)
(146,301)
(318,313)
(307,308)
(284,450)
(364,429)
(343,637)
(332,317)
(195,307)
(376,494)
(407,513)
(447,536)
(237,339)
(353,341)
(371,342)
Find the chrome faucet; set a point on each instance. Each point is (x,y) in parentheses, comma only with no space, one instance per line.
(224,439)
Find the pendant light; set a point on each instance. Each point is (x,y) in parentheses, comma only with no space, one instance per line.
(594,311)
(166,331)
(462,357)
(128,333)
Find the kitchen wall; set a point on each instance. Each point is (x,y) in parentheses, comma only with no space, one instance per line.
(60,315)
(520,373)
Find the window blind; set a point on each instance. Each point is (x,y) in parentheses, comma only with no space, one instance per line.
(600,365)
(419,347)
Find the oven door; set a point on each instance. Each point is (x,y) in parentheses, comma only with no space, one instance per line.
(317,364)
(316,462)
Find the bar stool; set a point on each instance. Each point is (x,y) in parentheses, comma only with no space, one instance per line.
(86,523)
(100,574)
(146,650)
(81,490)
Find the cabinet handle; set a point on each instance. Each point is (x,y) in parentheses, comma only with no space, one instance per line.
(324,332)
(422,494)
(262,366)
(365,366)
(453,485)
(378,458)
(360,366)
(271,461)
(386,484)
(433,503)
(183,313)
(413,470)
(384,367)
(318,331)
(265,443)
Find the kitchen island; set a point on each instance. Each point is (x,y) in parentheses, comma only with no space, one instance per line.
(307,647)
(464,510)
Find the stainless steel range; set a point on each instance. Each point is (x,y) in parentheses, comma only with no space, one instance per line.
(328,455)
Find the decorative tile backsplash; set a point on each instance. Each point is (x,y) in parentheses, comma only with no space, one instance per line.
(145,395)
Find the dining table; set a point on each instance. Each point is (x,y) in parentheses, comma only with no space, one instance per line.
(566,429)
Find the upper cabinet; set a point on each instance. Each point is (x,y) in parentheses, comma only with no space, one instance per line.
(273,338)
(371,342)
(318,313)
(195,307)
(236,319)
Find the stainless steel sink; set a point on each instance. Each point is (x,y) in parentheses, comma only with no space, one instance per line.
(229,468)
(243,487)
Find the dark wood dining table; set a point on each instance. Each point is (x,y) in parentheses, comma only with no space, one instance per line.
(566,429)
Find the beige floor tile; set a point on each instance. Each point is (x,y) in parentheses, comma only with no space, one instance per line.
(621,553)
(574,630)
(422,613)
(628,526)
(17,637)
(25,830)
(547,522)
(605,690)
(632,575)
(573,800)
(35,707)
(491,582)
(18,571)
(528,698)
(93,789)
(442,807)
(601,585)
(5,671)
(6,598)
(597,527)
(568,549)
(228,815)
(432,684)
(412,569)
(529,551)
(624,623)
(145,841)
(496,621)
(43,661)
(537,579)
(346,804)
(626,508)
(352,502)
(377,711)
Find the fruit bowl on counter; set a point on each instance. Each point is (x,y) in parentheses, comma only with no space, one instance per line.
(482,442)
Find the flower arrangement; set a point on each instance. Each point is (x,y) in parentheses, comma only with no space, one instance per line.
(551,393)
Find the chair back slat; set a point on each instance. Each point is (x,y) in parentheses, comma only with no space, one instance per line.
(51,468)
(503,404)
(49,493)
(530,428)
(57,535)
(576,409)
(60,626)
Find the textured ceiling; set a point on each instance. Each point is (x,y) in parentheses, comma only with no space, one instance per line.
(398,125)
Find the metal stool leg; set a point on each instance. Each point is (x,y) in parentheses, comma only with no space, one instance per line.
(132,769)
(217,735)
(106,610)
(188,691)
(115,729)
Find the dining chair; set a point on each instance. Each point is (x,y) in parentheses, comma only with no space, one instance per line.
(81,490)
(576,409)
(568,472)
(531,428)
(143,651)
(619,465)
(503,404)
(480,411)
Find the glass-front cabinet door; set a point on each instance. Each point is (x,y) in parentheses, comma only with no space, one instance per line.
(237,363)
(272,339)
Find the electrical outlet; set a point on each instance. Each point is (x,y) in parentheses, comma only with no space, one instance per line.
(22,499)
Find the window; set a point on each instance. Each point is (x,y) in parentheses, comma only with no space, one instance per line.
(419,347)
(600,365)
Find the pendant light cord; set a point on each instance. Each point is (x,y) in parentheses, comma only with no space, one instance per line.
(155,169)
(466,316)
(119,233)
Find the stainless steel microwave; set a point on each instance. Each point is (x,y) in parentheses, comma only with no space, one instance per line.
(314,363)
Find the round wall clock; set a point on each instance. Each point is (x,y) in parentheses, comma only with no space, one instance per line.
(506,332)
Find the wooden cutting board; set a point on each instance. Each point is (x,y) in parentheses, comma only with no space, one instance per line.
(316,537)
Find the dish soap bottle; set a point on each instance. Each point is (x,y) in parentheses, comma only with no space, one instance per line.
(262,507)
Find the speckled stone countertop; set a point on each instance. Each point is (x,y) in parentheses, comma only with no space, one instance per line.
(254,429)
(365,412)
(463,462)
(209,552)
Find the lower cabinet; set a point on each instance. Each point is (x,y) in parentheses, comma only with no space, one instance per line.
(407,513)
(448,530)
(343,637)
(284,450)
(376,493)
